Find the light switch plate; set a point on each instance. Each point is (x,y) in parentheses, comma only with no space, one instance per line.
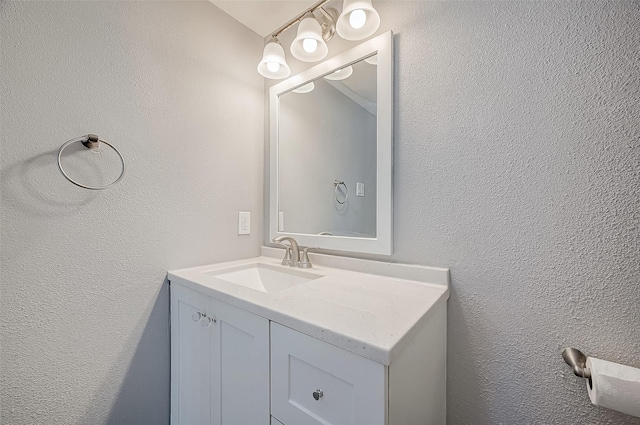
(359,189)
(244,223)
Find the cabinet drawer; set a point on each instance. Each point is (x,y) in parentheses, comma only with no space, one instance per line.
(315,383)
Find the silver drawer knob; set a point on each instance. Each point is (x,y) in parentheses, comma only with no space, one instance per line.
(197,316)
(317,394)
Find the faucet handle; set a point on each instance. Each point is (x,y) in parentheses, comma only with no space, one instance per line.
(305,263)
(286,261)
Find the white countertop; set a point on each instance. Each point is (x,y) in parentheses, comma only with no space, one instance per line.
(372,314)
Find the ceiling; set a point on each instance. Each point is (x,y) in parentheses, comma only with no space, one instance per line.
(263,16)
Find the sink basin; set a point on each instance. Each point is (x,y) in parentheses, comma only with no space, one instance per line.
(262,277)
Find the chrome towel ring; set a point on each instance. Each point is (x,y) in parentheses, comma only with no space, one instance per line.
(90,141)
(337,184)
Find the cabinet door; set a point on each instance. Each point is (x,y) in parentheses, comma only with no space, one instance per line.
(240,366)
(191,345)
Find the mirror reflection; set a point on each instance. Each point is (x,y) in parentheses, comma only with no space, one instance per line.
(327,154)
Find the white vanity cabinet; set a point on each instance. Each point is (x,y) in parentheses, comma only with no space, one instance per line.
(341,348)
(219,362)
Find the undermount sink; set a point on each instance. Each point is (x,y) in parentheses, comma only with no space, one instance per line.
(262,277)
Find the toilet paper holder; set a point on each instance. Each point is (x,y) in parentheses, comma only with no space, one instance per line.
(609,384)
(578,362)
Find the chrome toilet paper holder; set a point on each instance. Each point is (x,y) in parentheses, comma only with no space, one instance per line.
(611,385)
(578,362)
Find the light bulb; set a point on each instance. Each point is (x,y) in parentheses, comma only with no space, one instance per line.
(310,45)
(273,66)
(358,18)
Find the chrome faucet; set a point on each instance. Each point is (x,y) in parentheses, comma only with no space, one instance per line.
(295,250)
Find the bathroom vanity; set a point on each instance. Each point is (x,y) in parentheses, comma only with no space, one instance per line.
(348,341)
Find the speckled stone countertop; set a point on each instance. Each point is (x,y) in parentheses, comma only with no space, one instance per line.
(369,308)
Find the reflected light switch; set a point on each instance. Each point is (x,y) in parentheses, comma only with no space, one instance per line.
(280,221)
(359,189)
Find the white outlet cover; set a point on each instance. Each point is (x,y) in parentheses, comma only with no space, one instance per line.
(244,223)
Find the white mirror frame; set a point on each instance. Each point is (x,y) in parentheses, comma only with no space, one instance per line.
(382,244)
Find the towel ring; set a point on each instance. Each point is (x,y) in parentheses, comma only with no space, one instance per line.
(90,141)
(337,184)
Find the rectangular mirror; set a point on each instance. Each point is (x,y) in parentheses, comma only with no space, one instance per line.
(331,152)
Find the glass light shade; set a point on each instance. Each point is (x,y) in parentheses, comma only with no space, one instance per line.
(309,28)
(340,74)
(273,64)
(372,60)
(307,88)
(370,26)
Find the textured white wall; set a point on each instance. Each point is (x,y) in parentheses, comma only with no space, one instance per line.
(84,308)
(517,165)
(326,136)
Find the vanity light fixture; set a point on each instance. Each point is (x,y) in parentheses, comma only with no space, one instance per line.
(358,20)
(340,74)
(372,60)
(273,64)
